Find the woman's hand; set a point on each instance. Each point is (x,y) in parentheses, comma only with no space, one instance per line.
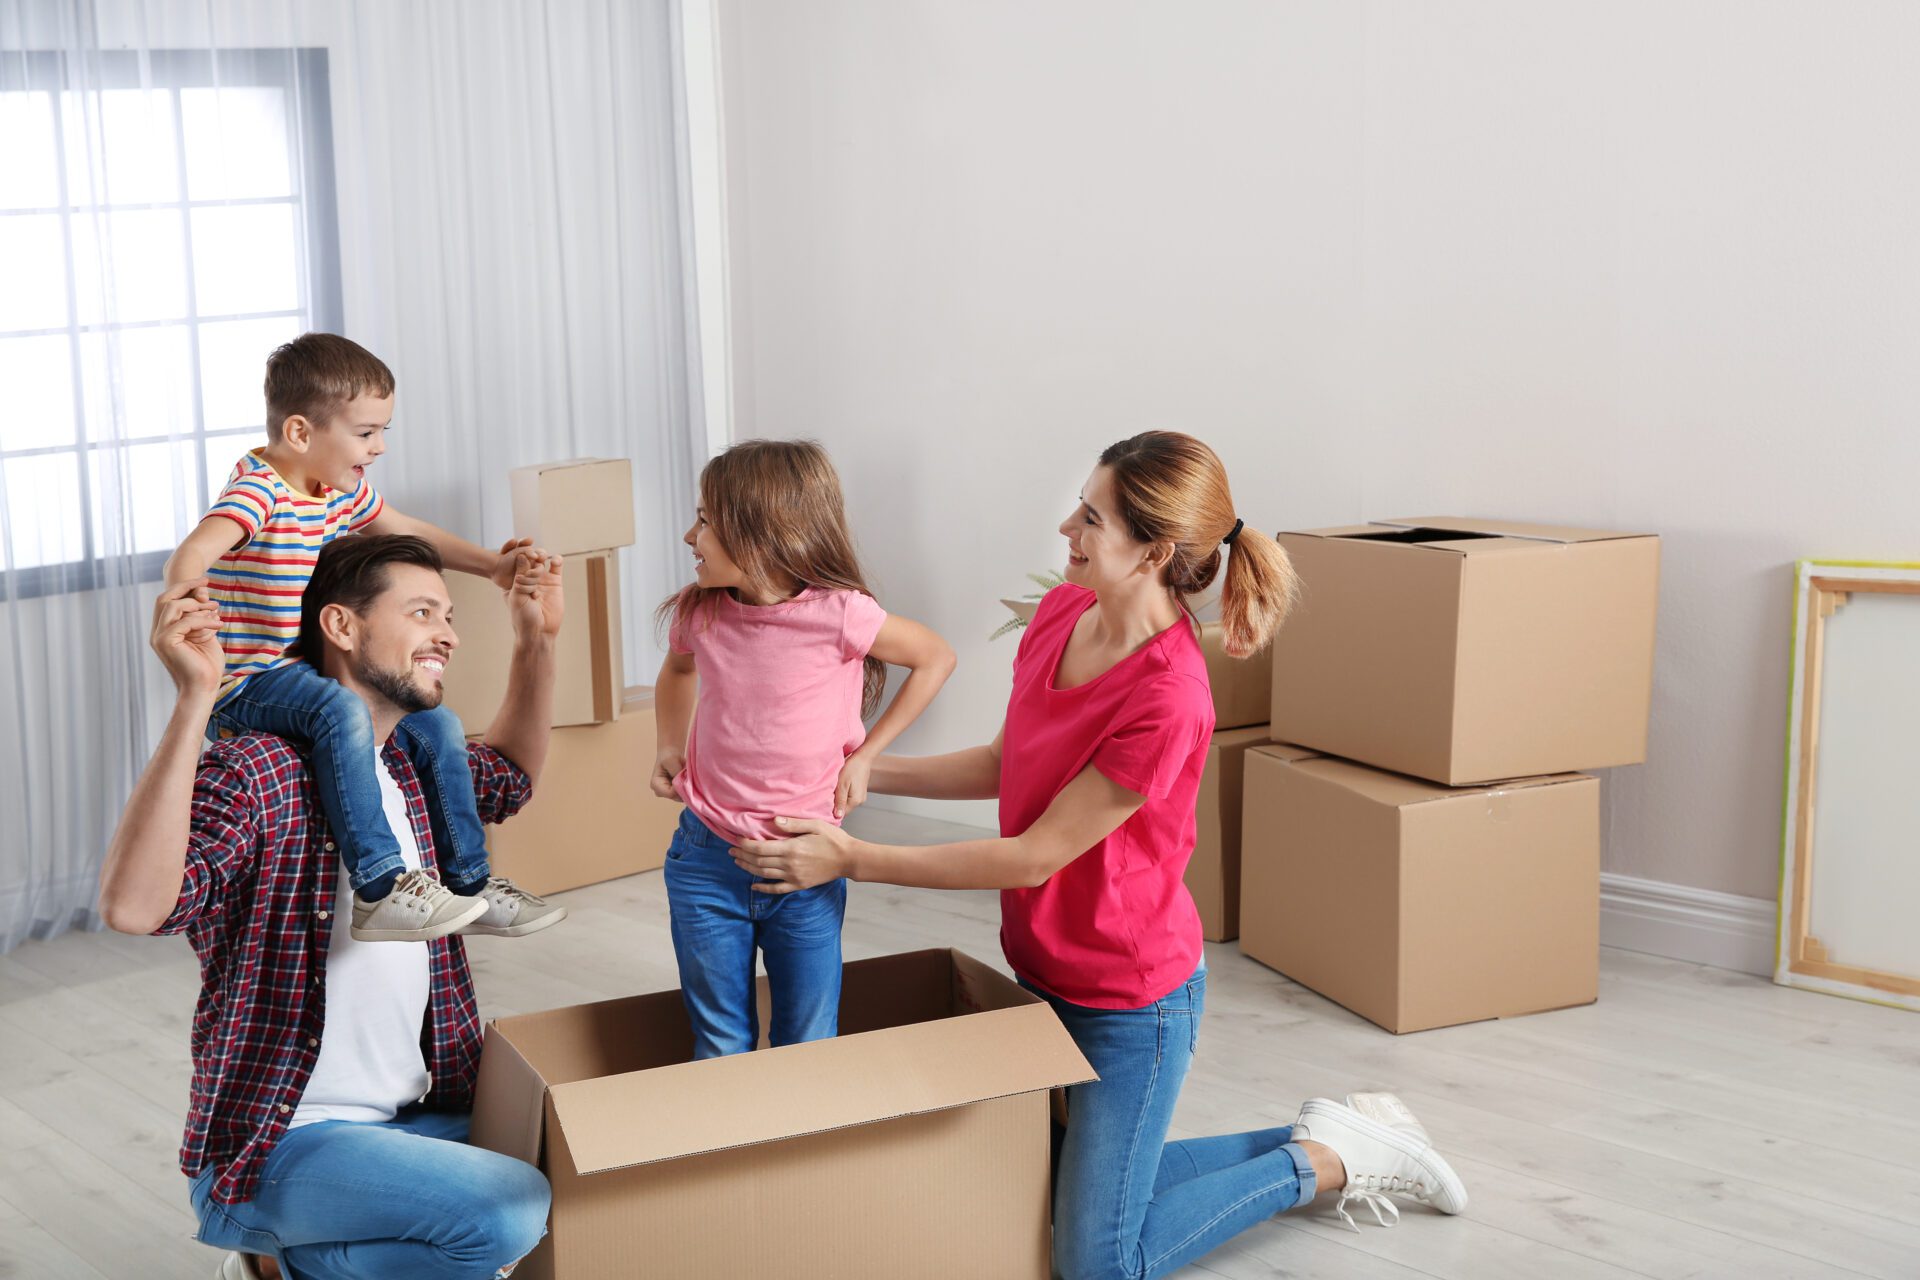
(814,853)
(667,767)
(851,791)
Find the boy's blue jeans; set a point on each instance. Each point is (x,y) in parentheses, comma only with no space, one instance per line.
(297,702)
(404,1200)
(718,921)
(1128,1204)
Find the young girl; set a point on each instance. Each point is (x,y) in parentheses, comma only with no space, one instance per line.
(787,649)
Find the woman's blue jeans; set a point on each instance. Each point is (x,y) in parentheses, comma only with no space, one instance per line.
(404,1200)
(298,703)
(1128,1204)
(719,921)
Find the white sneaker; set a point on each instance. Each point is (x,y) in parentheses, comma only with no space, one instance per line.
(1386,1152)
(512,912)
(419,909)
(237,1266)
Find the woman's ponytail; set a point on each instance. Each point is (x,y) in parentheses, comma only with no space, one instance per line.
(1172,488)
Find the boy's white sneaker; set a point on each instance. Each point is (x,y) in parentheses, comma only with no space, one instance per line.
(1386,1153)
(512,912)
(419,909)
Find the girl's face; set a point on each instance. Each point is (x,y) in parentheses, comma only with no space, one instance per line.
(712,566)
(1101,554)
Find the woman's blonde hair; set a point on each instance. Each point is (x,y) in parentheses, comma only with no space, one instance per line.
(1172,488)
(775,506)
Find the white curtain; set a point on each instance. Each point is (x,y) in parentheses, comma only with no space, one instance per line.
(486,193)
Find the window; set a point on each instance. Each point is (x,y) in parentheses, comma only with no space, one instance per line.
(160,232)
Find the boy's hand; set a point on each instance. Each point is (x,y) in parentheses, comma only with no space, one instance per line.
(186,635)
(851,792)
(515,554)
(535,599)
(667,766)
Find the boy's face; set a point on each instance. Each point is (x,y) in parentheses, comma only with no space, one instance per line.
(339,452)
(712,566)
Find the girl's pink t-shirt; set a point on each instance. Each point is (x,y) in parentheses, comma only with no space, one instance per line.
(1115,928)
(779,706)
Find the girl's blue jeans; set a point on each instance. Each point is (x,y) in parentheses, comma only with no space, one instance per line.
(719,922)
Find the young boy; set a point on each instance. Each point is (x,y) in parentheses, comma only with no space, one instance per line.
(329,401)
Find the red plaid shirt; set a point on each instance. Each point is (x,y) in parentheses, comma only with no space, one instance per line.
(257,903)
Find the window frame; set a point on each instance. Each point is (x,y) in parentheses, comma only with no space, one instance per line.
(302,74)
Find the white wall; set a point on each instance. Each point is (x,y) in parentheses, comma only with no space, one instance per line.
(1639,265)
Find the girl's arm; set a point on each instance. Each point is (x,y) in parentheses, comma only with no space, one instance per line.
(674,690)
(456,552)
(1086,811)
(902,642)
(972,774)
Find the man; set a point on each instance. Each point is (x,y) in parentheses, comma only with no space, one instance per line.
(323,1145)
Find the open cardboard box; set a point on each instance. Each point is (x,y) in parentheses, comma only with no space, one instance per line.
(1466,651)
(917,1143)
(1417,905)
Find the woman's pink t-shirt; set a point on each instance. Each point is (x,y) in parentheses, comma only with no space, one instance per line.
(1115,928)
(779,706)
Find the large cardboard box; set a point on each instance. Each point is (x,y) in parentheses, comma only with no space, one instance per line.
(1242,687)
(592,816)
(589,665)
(580,504)
(916,1144)
(1213,875)
(1469,650)
(1416,905)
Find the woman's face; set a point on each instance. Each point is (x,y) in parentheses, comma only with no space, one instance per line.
(1101,554)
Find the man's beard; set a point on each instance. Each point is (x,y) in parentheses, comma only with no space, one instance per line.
(398,687)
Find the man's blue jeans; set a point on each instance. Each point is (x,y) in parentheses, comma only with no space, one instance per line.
(1128,1204)
(404,1200)
(718,921)
(299,703)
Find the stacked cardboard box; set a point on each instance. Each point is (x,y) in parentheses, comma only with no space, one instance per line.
(914,1144)
(592,817)
(1242,689)
(1446,869)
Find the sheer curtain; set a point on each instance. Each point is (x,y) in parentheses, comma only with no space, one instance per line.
(486,193)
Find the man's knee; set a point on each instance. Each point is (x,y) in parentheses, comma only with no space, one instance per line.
(512,1216)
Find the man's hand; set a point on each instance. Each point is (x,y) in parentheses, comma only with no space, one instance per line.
(535,600)
(851,791)
(667,767)
(186,635)
(515,555)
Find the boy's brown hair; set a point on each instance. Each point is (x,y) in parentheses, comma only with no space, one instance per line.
(315,376)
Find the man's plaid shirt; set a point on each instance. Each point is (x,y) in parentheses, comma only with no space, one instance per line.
(256,903)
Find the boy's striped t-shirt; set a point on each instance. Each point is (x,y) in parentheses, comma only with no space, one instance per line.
(258,584)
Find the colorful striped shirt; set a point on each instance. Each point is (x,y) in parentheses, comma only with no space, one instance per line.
(258,584)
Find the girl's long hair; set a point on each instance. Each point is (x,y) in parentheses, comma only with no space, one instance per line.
(1172,488)
(775,506)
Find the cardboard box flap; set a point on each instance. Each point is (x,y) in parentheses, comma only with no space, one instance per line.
(508,1115)
(1397,789)
(643,1117)
(1508,529)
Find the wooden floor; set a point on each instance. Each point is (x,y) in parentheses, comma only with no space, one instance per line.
(1692,1123)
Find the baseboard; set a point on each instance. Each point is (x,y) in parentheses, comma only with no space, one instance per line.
(1724,930)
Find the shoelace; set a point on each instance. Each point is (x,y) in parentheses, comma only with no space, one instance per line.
(510,891)
(1370,1190)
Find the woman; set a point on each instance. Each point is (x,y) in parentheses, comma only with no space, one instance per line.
(1096,768)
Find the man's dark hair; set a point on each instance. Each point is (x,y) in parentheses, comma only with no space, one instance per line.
(316,375)
(352,571)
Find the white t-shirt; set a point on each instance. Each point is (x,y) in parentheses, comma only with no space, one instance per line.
(370,1062)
